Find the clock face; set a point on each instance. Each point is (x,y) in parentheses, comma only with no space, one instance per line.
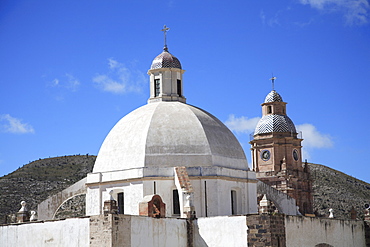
(295,154)
(265,155)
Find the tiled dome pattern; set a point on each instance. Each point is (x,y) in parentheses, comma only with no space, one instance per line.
(274,123)
(273,96)
(165,60)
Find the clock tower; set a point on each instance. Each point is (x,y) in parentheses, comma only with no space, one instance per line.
(277,155)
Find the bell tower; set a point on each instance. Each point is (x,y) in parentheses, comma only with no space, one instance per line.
(277,153)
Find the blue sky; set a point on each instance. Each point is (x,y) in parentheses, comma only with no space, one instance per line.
(71,69)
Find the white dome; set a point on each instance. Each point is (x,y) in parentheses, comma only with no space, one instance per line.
(169,134)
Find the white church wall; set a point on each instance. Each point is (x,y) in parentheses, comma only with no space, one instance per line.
(69,232)
(306,231)
(93,201)
(164,188)
(219,197)
(213,183)
(221,231)
(252,207)
(96,195)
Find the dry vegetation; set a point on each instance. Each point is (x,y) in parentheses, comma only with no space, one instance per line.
(40,179)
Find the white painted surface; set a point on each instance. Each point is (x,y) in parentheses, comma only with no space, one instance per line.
(306,231)
(169,134)
(94,201)
(164,232)
(221,231)
(216,201)
(70,232)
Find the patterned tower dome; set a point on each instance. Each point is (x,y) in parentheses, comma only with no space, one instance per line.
(275,123)
(274,119)
(165,60)
(273,96)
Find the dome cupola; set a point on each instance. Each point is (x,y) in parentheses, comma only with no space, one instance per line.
(273,96)
(166,82)
(165,60)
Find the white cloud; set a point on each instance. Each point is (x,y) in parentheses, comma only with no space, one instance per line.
(67,82)
(120,79)
(55,82)
(108,84)
(13,125)
(271,21)
(355,11)
(72,82)
(313,139)
(242,124)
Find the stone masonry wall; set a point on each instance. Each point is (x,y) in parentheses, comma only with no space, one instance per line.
(266,230)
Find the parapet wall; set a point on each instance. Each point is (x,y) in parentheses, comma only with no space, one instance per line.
(306,231)
(128,230)
(221,231)
(69,232)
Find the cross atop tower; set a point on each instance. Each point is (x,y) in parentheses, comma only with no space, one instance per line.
(273,78)
(165,30)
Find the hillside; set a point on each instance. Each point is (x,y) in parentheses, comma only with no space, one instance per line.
(334,189)
(40,179)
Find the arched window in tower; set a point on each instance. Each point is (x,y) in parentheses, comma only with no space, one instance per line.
(157,87)
(121,201)
(179,88)
(233,202)
(175,202)
(269,109)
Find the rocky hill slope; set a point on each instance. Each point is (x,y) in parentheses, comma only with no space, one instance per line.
(40,179)
(339,191)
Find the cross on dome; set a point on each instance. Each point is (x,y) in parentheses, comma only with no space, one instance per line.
(273,78)
(165,30)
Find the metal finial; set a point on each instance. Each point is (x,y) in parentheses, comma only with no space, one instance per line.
(273,78)
(165,30)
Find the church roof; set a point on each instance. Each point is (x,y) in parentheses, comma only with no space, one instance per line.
(165,60)
(169,134)
(273,96)
(275,123)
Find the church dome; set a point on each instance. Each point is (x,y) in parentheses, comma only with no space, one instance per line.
(273,96)
(275,123)
(165,60)
(169,134)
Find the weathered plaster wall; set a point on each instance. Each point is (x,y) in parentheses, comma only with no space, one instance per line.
(129,230)
(158,232)
(305,231)
(47,208)
(221,231)
(69,232)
